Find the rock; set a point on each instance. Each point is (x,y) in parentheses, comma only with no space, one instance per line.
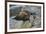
(31,19)
(14,10)
(16,24)
(37,22)
(26,24)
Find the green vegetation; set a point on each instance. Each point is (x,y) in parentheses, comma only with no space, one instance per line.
(26,24)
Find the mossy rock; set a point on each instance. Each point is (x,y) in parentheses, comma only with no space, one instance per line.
(26,24)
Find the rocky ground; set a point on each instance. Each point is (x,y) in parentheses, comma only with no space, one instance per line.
(34,23)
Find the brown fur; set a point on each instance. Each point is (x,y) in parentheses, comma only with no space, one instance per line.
(23,15)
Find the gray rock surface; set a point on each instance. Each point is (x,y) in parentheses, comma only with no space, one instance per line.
(20,24)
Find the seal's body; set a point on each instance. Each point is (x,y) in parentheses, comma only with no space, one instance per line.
(23,15)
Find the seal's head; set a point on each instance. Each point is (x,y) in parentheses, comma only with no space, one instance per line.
(23,15)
